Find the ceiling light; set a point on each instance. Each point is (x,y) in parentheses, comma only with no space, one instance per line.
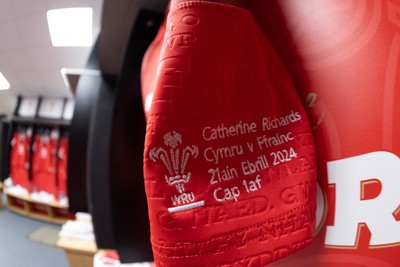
(70,26)
(4,84)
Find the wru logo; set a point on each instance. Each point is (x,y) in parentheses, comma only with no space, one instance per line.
(175,159)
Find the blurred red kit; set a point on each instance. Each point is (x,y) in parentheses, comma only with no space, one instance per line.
(343,57)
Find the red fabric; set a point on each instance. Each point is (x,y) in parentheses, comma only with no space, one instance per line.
(344,59)
(19,160)
(62,165)
(44,164)
(228,140)
(149,68)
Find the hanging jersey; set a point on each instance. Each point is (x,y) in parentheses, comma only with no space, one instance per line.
(19,160)
(229,160)
(44,164)
(62,164)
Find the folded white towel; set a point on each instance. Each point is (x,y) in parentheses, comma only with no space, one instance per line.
(83,216)
(18,190)
(77,227)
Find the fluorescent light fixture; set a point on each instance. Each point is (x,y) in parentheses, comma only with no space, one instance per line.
(71,26)
(4,84)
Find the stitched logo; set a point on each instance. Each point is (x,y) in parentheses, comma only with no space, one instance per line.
(175,159)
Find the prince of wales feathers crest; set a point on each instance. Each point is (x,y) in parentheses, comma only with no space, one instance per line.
(175,159)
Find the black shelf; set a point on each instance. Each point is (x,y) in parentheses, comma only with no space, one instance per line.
(41,121)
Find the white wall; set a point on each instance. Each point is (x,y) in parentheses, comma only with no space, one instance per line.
(7,102)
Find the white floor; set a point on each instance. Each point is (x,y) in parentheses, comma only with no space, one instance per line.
(16,250)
